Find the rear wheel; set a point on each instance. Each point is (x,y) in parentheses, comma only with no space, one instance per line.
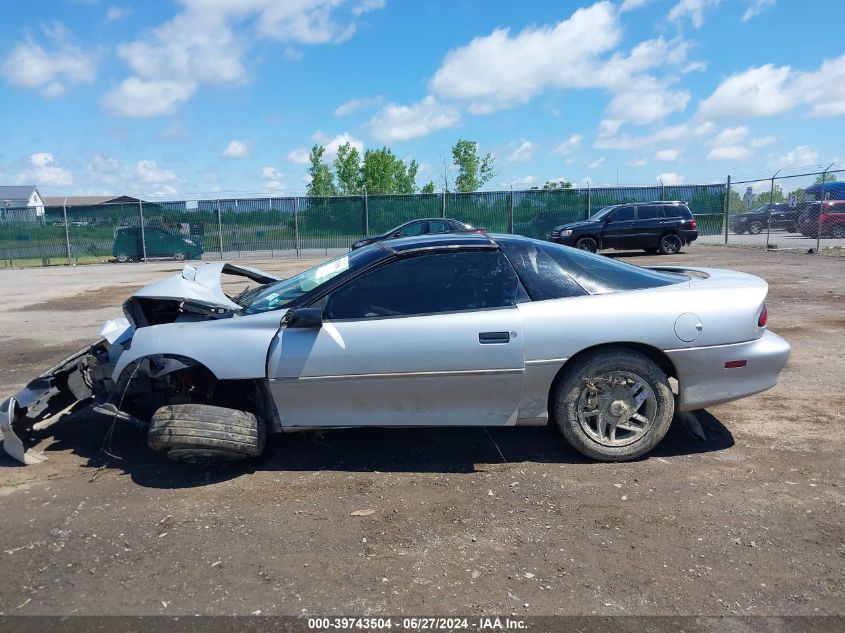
(179,257)
(614,405)
(838,231)
(669,244)
(587,244)
(122,258)
(197,433)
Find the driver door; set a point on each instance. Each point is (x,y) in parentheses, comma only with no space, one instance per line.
(618,228)
(430,340)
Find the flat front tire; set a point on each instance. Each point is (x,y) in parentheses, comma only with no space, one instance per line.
(614,405)
(199,433)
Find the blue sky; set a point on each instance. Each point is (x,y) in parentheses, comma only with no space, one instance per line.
(194,97)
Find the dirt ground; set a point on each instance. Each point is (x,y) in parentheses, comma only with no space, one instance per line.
(748,522)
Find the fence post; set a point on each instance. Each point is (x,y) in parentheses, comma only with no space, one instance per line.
(821,209)
(510,212)
(143,237)
(769,218)
(67,231)
(589,202)
(727,207)
(366,213)
(296,224)
(219,229)
(662,191)
(443,205)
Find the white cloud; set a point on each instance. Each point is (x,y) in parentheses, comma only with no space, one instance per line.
(236,150)
(207,43)
(801,156)
(729,152)
(637,162)
(113,14)
(100,164)
(332,144)
(357,104)
(44,171)
(299,156)
(569,145)
(645,101)
(630,5)
(667,155)
(762,141)
(273,179)
(685,131)
(148,172)
(756,7)
(596,163)
(142,98)
(767,90)
(730,136)
(523,153)
(400,123)
(692,9)
(52,69)
(670,178)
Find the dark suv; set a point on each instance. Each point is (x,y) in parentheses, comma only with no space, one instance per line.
(652,226)
(779,215)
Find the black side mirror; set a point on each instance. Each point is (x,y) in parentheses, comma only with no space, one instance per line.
(304,318)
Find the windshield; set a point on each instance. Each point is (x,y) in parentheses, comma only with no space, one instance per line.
(280,294)
(602,214)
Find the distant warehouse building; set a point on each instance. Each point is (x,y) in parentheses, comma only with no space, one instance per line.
(20,203)
(87,201)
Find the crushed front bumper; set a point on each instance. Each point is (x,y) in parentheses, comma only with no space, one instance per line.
(47,395)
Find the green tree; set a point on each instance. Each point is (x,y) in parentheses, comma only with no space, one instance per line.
(556,184)
(776,196)
(827,178)
(384,172)
(474,171)
(428,187)
(347,167)
(322,181)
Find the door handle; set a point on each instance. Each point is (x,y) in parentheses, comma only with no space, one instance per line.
(492,338)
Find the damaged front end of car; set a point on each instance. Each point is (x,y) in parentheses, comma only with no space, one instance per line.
(114,380)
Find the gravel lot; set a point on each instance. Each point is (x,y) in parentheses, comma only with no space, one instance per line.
(748,522)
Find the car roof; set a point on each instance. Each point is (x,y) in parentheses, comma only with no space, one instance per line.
(432,241)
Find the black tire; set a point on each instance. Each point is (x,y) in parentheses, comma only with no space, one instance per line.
(670,244)
(755,228)
(838,232)
(587,244)
(180,257)
(123,258)
(198,433)
(596,372)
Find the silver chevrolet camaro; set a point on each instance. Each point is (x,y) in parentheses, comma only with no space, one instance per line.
(434,330)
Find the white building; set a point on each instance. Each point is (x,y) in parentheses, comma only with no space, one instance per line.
(20,203)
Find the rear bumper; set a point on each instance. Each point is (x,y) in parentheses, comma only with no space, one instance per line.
(690,236)
(704,381)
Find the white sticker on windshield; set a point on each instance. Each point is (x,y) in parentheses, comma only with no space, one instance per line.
(332,268)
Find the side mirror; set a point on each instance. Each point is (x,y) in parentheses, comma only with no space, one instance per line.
(397,234)
(304,318)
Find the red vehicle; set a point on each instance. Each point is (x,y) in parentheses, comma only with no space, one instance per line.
(831,218)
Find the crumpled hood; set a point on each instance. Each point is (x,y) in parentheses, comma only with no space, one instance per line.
(202,284)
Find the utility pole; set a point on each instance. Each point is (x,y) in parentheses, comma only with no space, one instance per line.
(143,237)
(67,232)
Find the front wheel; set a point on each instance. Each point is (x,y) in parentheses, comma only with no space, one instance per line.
(197,433)
(755,228)
(614,405)
(587,244)
(179,257)
(838,232)
(669,244)
(122,258)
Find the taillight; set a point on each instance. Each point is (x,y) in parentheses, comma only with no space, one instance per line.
(763,318)
(692,224)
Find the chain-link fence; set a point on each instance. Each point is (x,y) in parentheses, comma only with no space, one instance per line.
(804,211)
(273,226)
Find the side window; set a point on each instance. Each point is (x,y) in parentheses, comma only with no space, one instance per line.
(412,229)
(426,284)
(623,214)
(672,211)
(648,212)
(436,226)
(542,276)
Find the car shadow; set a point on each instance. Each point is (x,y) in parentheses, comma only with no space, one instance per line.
(428,450)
